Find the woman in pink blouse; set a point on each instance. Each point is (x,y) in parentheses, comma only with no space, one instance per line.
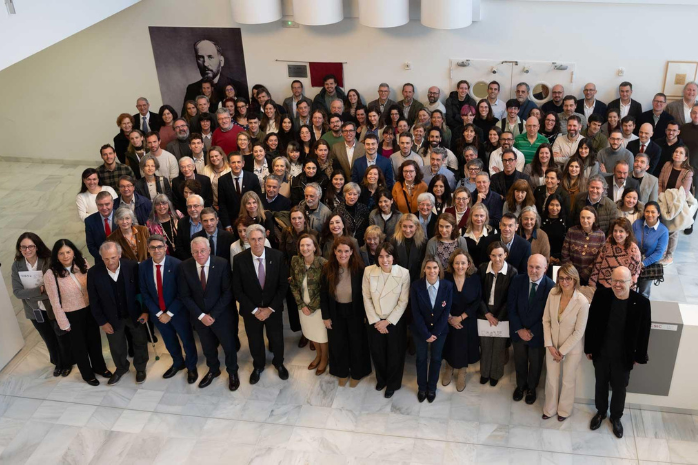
(66,286)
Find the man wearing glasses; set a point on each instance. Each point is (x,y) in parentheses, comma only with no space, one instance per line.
(506,141)
(226,135)
(433,102)
(657,117)
(612,154)
(348,150)
(588,105)
(668,144)
(616,339)
(502,181)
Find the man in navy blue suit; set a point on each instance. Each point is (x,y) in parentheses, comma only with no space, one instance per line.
(372,158)
(526,303)
(158,283)
(99,224)
(519,248)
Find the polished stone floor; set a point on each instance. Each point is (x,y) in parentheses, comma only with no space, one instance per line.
(307,419)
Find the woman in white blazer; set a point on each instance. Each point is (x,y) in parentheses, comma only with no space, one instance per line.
(564,323)
(386,291)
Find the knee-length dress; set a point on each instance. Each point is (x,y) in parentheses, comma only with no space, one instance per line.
(463,345)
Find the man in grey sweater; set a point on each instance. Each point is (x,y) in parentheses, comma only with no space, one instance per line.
(609,156)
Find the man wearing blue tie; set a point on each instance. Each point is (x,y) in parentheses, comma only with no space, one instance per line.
(158,284)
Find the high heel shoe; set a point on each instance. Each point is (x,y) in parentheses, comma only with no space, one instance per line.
(313,365)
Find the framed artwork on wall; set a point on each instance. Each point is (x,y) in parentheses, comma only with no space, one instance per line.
(677,75)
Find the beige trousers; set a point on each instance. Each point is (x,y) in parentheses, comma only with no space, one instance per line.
(560,401)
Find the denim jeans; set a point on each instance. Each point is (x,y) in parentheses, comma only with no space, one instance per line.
(428,370)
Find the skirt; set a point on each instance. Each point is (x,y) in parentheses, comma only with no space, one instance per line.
(313,327)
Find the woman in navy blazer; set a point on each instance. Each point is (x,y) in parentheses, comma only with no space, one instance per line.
(430,324)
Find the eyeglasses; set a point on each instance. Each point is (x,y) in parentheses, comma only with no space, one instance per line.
(408,172)
(156,247)
(27,247)
(508,139)
(508,160)
(565,278)
(347,130)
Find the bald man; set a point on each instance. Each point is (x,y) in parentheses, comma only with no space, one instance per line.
(616,339)
(529,141)
(433,102)
(645,144)
(555,104)
(526,303)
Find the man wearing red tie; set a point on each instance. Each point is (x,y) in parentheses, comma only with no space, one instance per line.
(99,225)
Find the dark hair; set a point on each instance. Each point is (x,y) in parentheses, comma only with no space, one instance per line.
(556,129)
(359,103)
(384,192)
(371,136)
(450,219)
(446,197)
(252,115)
(419,176)
(654,204)
(462,144)
(312,140)
(627,227)
(296,81)
(388,248)
(172,111)
(327,77)
(497,245)
(574,118)
(331,268)
(312,237)
(244,220)
(550,198)
(595,118)
(330,193)
(381,183)
(536,167)
(589,160)
(41,250)
(627,119)
(86,174)
(626,84)
(151,134)
(513,103)
(519,185)
(193,185)
(78,260)
(108,146)
(490,113)
(471,264)
(589,208)
(205,116)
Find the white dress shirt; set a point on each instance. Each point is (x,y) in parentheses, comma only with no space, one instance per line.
(35,267)
(494,281)
(115,274)
(198,272)
(155,279)
(624,109)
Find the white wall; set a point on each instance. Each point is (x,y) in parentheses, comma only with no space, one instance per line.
(62,103)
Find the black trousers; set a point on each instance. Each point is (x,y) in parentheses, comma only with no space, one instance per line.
(388,354)
(223,331)
(529,364)
(294,320)
(610,371)
(119,349)
(255,336)
(348,344)
(58,346)
(86,343)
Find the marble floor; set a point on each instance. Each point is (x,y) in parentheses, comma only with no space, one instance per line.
(307,419)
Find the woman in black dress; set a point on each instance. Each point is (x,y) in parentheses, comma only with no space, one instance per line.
(555,226)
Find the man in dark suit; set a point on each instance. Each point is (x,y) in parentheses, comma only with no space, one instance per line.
(589,101)
(409,104)
(290,103)
(189,225)
(489,198)
(626,91)
(620,180)
(146,120)
(158,284)
(187,170)
(526,303)
(519,248)
(99,224)
(657,116)
(645,144)
(361,164)
(503,180)
(113,286)
(205,290)
(210,61)
(668,144)
(219,240)
(616,338)
(231,186)
(260,280)
(272,200)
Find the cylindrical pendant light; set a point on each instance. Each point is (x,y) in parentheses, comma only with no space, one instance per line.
(317,12)
(256,11)
(447,14)
(384,13)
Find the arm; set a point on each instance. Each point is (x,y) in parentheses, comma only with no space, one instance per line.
(223,204)
(82,206)
(246,305)
(92,245)
(389,175)
(659,249)
(547,325)
(371,314)
(687,181)
(96,306)
(174,168)
(597,267)
(226,296)
(355,177)
(654,193)
(278,302)
(52,292)
(512,301)
(152,306)
(296,285)
(325,302)
(186,296)
(418,324)
(403,300)
(565,255)
(635,264)
(579,328)
(32,295)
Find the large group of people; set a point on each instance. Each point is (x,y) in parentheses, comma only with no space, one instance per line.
(380,228)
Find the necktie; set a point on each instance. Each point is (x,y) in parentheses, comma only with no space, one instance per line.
(107,229)
(203,278)
(161,297)
(432,295)
(642,148)
(212,244)
(237,185)
(532,294)
(144,128)
(261,274)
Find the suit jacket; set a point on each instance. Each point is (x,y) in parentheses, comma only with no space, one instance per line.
(600,108)
(103,304)
(524,315)
(430,321)
(194,89)
(629,182)
(518,255)
(675,109)
(635,109)
(389,301)
(183,240)
(149,290)
(328,304)
(217,297)
(249,293)
(224,240)
(178,199)
(361,165)
(95,234)
(288,104)
(649,188)
(637,326)
(339,152)
(229,200)
(414,108)
(653,150)
(566,331)
(660,127)
(498,184)
(180,148)
(416,255)
(501,294)
(142,210)
(155,121)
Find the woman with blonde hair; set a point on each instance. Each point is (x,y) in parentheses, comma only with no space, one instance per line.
(410,244)
(476,228)
(564,322)
(216,167)
(251,205)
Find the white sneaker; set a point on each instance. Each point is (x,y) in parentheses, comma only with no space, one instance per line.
(666,261)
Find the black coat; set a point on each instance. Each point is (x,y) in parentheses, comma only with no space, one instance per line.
(653,150)
(280,204)
(518,256)
(249,293)
(155,121)
(499,185)
(229,200)
(660,127)
(218,296)
(328,304)
(414,264)
(600,108)
(102,301)
(499,309)
(635,110)
(178,199)
(637,326)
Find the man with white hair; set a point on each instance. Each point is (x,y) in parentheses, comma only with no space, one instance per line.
(383,102)
(681,109)
(187,171)
(179,147)
(316,211)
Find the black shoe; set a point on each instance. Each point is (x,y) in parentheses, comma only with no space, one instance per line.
(411,349)
(421,395)
(389,393)
(380,387)
(92,382)
(208,378)
(493,382)
(518,394)
(233,382)
(617,428)
(531,396)
(192,376)
(115,378)
(66,371)
(688,233)
(140,377)
(130,351)
(431,396)
(254,376)
(106,374)
(56,372)
(596,421)
(283,372)
(303,342)
(171,372)
(483,380)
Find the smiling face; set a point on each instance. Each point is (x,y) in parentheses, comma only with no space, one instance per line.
(586,220)
(385,204)
(92,182)
(307,247)
(162,208)
(336,225)
(554,208)
(445,229)
(256,240)
(498,257)
(595,191)
(311,197)
(343,253)
(460,265)
(385,260)
(298,221)
(149,167)
(28,249)
(408,229)
(431,271)
(528,221)
(619,234)
(351,197)
(65,256)
(651,215)
(372,176)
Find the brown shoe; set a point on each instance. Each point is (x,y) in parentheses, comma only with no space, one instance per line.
(313,365)
(312,345)
(448,374)
(321,370)
(354,382)
(303,342)
(343,382)
(460,380)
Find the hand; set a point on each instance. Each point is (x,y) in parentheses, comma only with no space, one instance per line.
(481,197)
(589,356)
(602,168)
(382,326)
(493,321)
(229,229)
(42,290)
(164,318)
(554,261)
(263,313)
(328,324)
(432,338)
(525,334)
(143,319)
(107,328)
(289,280)
(455,322)
(306,311)
(207,320)
(495,169)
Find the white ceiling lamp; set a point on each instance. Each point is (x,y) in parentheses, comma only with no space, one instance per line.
(317,12)
(447,14)
(256,11)
(384,13)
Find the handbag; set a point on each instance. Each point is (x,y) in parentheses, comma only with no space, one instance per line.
(54,324)
(654,272)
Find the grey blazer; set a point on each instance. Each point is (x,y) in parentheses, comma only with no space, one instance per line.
(675,109)
(30,297)
(649,188)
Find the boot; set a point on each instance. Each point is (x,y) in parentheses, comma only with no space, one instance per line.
(448,374)
(460,380)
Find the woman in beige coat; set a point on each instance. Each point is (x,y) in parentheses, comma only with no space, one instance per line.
(564,322)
